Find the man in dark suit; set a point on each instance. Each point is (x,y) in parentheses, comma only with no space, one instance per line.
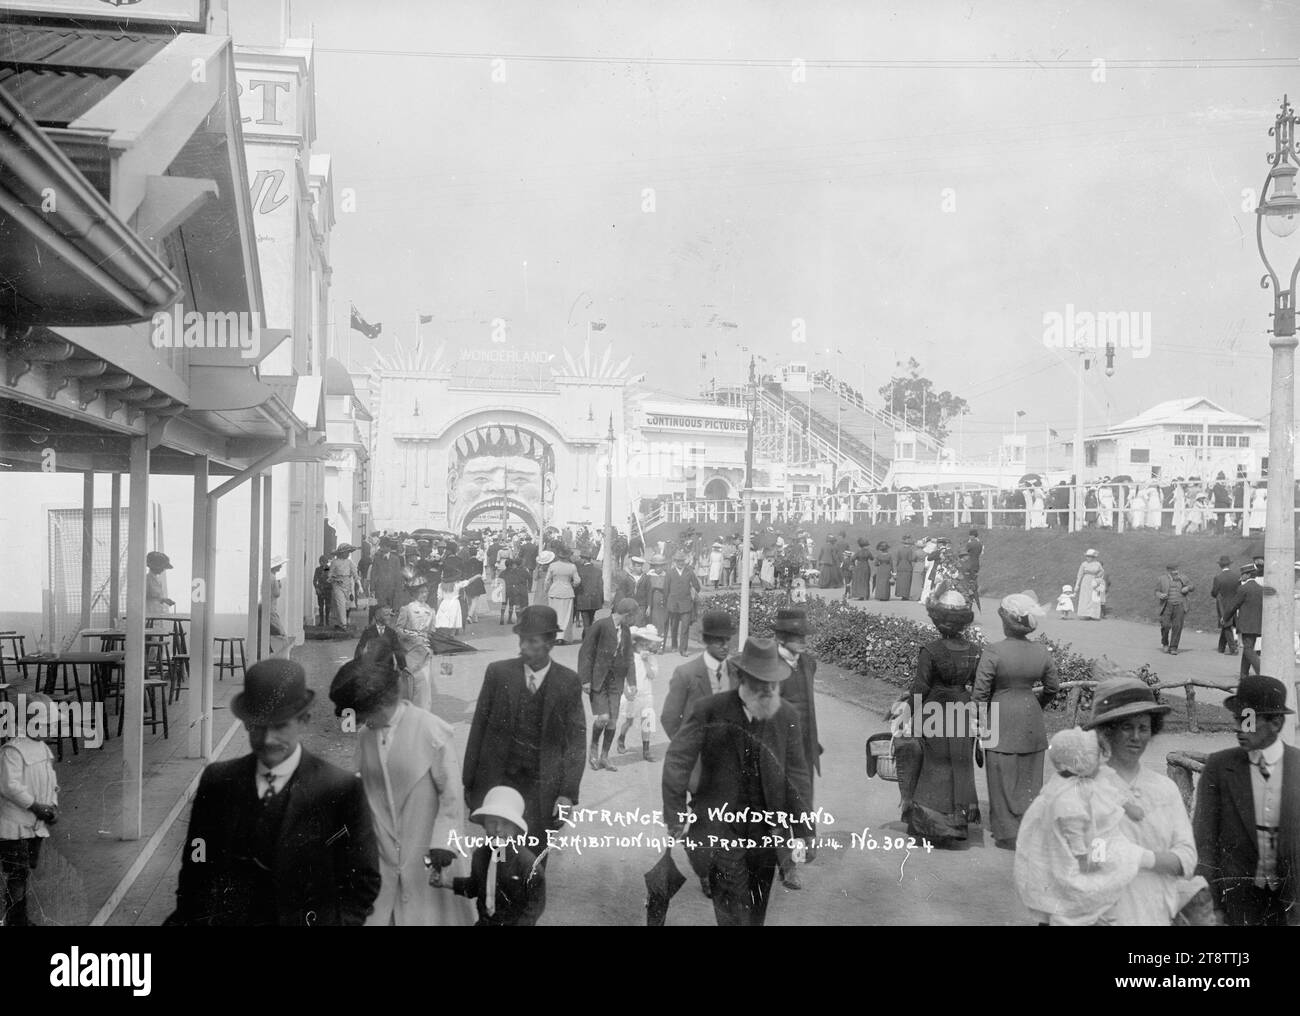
(1246,611)
(1248,813)
(791,631)
(634,583)
(703,676)
(1222,503)
(1223,589)
(590,595)
(750,752)
(681,589)
(1172,590)
(379,642)
(386,576)
(529,728)
(278,837)
(604,667)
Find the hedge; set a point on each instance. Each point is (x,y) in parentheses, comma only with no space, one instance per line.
(886,646)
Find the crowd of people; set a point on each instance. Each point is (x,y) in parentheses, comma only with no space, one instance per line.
(1180,506)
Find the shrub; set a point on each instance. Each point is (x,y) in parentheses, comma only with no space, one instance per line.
(886,646)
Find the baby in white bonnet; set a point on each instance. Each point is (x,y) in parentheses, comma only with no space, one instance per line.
(1072,860)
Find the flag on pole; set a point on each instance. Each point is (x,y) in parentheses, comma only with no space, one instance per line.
(426,319)
(363,326)
(597,326)
(1020,412)
(1053,433)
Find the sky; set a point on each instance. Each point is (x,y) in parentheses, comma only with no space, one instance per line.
(879,181)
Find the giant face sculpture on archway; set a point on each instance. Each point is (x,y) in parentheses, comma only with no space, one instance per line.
(500,468)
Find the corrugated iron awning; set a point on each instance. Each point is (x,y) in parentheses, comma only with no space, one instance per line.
(58,73)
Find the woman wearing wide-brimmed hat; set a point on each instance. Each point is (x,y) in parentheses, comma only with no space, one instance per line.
(1004,683)
(410,768)
(882,570)
(415,622)
(562,580)
(944,800)
(544,561)
(155,588)
(345,583)
(1126,715)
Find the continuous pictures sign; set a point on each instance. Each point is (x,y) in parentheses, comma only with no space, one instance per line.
(666,421)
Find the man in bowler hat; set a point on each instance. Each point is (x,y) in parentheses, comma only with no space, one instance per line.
(1245,611)
(750,751)
(529,730)
(278,837)
(681,588)
(703,676)
(1223,589)
(791,631)
(1247,820)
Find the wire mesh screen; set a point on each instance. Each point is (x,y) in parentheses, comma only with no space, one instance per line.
(65,535)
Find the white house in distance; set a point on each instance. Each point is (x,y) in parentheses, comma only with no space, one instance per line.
(1183,437)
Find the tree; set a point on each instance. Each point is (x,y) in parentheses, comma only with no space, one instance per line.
(912,397)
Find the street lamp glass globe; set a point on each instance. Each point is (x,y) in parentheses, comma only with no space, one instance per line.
(1282,224)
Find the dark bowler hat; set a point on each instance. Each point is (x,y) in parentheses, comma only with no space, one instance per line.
(760,660)
(791,621)
(275,690)
(537,619)
(1224,561)
(717,624)
(1263,695)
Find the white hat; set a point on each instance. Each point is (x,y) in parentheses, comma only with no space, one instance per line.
(1089,553)
(649,632)
(1067,589)
(545,557)
(503,802)
(278,561)
(638,560)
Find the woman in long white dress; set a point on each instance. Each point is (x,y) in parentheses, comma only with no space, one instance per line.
(448,618)
(1155,507)
(1105,506)
(716,559)
(963,502)
(1038,515)
(1090,585)
(1180,509)
(414,623)
(1137,508)
(1259,510)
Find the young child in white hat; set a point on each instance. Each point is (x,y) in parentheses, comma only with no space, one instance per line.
(1072,861)
(638,702)
(506,880)
(1065,603)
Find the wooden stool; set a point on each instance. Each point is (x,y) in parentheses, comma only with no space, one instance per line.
(13,647)
(226,646)
(178,675)
(153,703)
(157,651)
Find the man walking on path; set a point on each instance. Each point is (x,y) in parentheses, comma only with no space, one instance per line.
(604,667)
(1223,590)
(1246,611)
(681,589)
(1172,591)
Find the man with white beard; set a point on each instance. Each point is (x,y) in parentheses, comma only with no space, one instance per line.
(754,787)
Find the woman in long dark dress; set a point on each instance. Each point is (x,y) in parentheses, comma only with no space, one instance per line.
(882,570)
(860,587)
(1004,680)
(944,800)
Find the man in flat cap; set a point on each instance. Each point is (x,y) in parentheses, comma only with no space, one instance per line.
(750,751)
(278,837)
(1172,590)
(1247,819)
(604,668)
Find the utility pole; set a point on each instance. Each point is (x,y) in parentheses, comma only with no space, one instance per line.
(607,550)
(747,498)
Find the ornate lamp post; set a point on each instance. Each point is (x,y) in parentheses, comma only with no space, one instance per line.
(1279,213)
